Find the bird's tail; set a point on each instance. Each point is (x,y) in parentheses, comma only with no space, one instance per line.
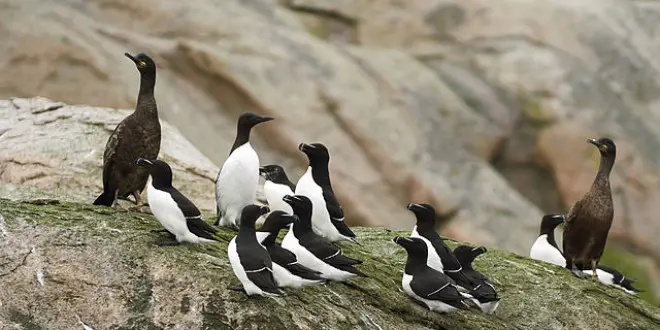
(105,198)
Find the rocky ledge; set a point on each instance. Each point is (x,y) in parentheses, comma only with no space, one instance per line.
(65,265)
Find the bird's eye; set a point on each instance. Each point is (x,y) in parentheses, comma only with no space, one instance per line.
(142,63)
(603,147)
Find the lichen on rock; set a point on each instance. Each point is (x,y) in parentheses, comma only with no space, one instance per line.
(102,266)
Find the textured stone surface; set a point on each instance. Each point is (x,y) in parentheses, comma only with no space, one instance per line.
(413,98)
(68,263)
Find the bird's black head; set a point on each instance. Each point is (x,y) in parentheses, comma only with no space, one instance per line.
(302,208)
(425,215)
(144,64)
(550,222)
(415,247)
(251,213)
(247,120)
(606,147)
(160,172)
(274,173)
(466,254)
(277,220)
(317,153)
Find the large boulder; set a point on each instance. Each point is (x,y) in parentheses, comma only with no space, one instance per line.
(67,265)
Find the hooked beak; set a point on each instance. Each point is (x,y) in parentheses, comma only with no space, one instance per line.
(143,162)
(290,218)
(594,142)
(264,209)
(559,217)
(304,146)
(289,198)
(135,60)
(401,240)
(262,170)
(479,250)
(413,206)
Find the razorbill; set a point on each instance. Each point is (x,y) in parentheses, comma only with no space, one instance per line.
(314,251)
(249,259)
(286,269)
(178,215)
(545,249)
(440,257)
(487,300)
(432,288)
(328,216)
(237,181)
(276,186)
(136,136)
(588,222)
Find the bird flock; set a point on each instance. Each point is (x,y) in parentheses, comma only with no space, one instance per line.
(309,254)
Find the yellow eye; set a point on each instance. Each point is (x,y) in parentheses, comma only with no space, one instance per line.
(603,147)
(142,63)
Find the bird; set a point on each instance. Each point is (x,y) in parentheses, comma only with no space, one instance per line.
(249,260)
(286,269)
(176,213)
(136,136)
(314,251)
(440,257)
(328,215)
(237,181)
(432,288)
(588,221)
(276,186)
(487,300)
(545,249)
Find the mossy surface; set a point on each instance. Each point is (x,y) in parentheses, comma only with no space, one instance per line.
(165,287)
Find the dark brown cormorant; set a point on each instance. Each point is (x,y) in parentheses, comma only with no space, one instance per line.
(590,218)
(137,136)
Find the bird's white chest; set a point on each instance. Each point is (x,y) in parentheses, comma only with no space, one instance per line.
(274,193)
(320,217)
(433,260)
(240,172)
(544,251)
(166,211)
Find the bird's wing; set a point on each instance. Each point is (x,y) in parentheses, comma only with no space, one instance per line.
(342,228)
(327,252)
(288,260)
(194,220)
(258,267)
(572,213)
(110,150)
(435,286)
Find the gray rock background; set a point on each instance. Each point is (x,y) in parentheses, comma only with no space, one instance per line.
(475,106)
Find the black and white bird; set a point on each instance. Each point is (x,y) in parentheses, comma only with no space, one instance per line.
(545,249)
(314,251)
(249,259)
(178,215)
(237,181)
(276,186)
(286,269)
(440,257)
(426,285)
(328,215)
(487,300)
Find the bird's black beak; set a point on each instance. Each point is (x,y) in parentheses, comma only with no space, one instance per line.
(413,206)
(135,60)
(264,119)
(594,142)
(143,162)
(304,146)
(290,218)
(264,209)
(262,170)
(401,240)
(288,199)
(479,250)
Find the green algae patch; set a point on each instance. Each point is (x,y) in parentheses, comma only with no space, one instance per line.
(142,286)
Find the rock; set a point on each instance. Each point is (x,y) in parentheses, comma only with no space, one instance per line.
(59,148)
(68,264)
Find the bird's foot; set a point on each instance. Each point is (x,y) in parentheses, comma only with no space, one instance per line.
(167,243)
(579,274)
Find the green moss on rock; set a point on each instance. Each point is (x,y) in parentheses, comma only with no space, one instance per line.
(187,285)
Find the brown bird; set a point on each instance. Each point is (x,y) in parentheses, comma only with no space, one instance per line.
(589,220)
(137,136)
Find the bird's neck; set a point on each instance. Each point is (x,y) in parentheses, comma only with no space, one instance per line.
(146,102)
(247,232)
(269,239)
(551,238)
(302,227)
(415,264)
(602,180)
(242,137)
(321,174)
